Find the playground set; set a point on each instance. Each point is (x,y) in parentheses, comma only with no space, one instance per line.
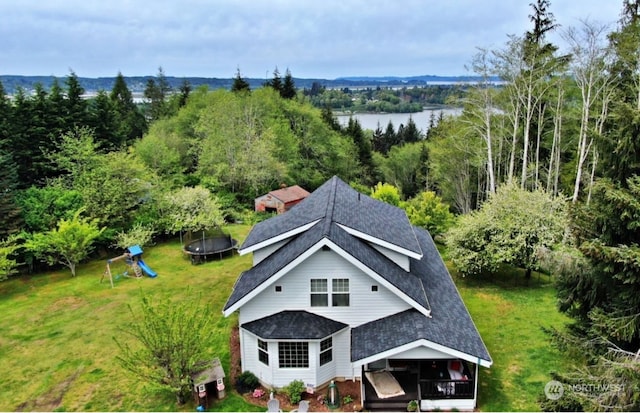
(133,259)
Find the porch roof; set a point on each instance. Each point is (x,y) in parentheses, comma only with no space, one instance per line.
(293,325)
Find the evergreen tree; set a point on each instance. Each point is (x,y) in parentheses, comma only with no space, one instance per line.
(239,83)
(377,140)
(40,141)
(77,113)
(411,133)
(58,109)
(103,122)
(288,90)
(363,146)
(185,91)
(389,139)
(329,119)
(156,92)
(131,123)
(620,147)
(10,219)
(6,115)
(276,81)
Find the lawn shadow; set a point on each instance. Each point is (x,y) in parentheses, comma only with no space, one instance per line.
(507,278)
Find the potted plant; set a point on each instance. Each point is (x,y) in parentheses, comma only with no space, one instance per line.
(412,406)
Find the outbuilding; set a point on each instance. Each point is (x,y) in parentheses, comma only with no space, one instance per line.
(280,200)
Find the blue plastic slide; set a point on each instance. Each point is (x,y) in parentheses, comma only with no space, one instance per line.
(146,269)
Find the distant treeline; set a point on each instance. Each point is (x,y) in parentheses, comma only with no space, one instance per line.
(137,84)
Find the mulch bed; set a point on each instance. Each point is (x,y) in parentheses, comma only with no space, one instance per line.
(316,400)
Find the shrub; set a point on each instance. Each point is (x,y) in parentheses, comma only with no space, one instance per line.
(294,391)
(247,381)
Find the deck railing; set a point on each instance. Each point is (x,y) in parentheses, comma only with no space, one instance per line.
(446,389)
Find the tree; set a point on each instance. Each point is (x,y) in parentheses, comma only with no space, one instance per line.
(620,147)
(43,207)
(8,264)
(10,218)
(171,342)
(454,162)
(288,87)
(76,104)
(428,211)
(191,209)
(411,133)
(386,193)
(276,81)
(239,83)
(401,168)
(103,122)
(68,244)
(511,227)
(479,109)
(363,145)
(156,92)
(131,123)
(185,91)
(590,59)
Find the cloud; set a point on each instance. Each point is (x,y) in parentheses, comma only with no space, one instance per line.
(326,38)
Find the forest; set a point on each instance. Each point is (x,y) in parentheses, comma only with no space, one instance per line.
(540,173)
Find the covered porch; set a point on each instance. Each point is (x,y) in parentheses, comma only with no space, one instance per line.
(390,384)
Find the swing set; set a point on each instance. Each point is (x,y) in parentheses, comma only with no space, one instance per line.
(133,258)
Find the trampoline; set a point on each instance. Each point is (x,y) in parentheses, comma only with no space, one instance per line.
(218,246)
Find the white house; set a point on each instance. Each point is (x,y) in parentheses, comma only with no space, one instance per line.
(343,287)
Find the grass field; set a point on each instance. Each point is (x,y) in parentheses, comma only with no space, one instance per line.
(510,315)
(57,351)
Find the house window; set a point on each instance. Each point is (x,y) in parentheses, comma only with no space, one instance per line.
(326,351)
(263,352)
(340,292)
(278,288)
(374,288)
(319,292)
(293,354)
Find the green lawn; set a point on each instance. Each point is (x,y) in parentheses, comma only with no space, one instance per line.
(57,350)
(510,315)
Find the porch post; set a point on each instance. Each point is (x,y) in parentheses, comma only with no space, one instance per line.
(475,392)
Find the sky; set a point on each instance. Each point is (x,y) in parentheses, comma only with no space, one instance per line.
(323,39)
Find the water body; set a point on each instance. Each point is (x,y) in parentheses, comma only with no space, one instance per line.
(421,119)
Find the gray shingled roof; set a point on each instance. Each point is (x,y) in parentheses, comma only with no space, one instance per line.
(334,196)
(294,325)
(341,204)
(335,203)
(450,324)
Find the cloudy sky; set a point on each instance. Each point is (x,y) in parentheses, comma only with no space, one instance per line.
(313,38)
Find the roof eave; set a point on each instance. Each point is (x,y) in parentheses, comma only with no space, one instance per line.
(393,247)
(276,239)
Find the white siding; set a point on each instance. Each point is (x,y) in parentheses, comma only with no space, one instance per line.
(262,253)
(400,259)
(342,355)
(250,357)
(365,305)
(282,377)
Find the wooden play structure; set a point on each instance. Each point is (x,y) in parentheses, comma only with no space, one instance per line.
(135,265)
